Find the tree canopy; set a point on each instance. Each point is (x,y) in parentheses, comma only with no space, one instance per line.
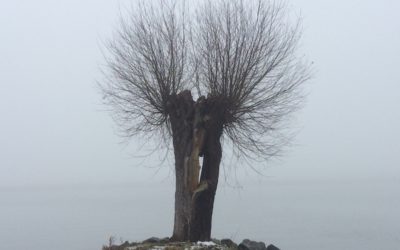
(241,54)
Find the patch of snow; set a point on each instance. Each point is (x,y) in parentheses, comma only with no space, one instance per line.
(206,243)
(152,248)
(158,248)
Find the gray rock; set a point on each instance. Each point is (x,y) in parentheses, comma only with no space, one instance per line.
(272,247)
(229,243)
(216,241)
(252,245)
(152,240)
(164,240)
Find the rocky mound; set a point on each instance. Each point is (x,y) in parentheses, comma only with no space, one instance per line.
(165,244)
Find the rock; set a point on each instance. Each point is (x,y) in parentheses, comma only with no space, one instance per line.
(152,240)
(216,241)
(125,244)
(229,243)
(272,247)
(164,240)
(252,245)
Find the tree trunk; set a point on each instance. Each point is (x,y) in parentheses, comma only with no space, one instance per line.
(180,114)
(203,201)
(195,133)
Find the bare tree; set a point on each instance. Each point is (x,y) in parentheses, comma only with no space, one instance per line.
(240,57)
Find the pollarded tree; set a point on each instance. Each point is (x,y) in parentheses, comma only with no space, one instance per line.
(239,57)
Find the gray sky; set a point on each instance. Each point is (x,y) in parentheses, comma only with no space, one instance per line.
(53,129)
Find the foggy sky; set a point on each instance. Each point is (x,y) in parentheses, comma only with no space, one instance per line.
(54,128)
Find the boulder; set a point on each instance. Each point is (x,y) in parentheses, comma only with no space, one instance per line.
(152,240)
(229,243)
(164,240)
(272,247)
(216,241)
(252,245)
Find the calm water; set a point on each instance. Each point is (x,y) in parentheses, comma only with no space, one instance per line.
(293,215)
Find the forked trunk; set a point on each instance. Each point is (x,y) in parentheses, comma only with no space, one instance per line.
(195,134)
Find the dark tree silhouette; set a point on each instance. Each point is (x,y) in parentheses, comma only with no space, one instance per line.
(237,56)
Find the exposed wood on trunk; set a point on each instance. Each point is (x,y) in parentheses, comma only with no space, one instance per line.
(194,163)
(197,145)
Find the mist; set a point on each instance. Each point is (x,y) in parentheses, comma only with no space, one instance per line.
(55,133)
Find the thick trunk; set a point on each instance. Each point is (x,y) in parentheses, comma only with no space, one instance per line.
(195,132)
(180,116)
(181,220)
(203,201)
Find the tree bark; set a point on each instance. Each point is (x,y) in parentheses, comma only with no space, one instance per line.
(203,201)
(196,133)
(181,112)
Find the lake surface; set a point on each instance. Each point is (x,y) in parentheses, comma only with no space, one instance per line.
(294,215)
